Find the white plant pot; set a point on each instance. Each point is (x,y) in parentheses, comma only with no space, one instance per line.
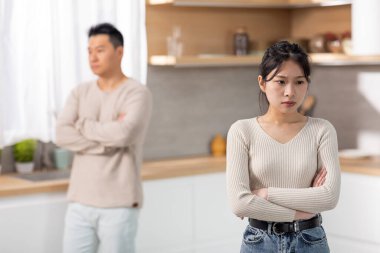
(24,167)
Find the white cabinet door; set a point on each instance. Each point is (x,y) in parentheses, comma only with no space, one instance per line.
(166,220)
(217,229)
(188,215)
(32,223)
(355,222)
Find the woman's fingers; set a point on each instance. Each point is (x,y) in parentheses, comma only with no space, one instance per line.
(316,178)
(320,177)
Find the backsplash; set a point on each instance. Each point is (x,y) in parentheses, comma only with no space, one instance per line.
(193,104)
(341,100)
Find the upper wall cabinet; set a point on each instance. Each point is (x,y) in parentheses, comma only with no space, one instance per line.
(204,29)
(231,60)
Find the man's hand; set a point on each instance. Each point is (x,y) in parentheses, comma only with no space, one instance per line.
(121,117)
(320,177)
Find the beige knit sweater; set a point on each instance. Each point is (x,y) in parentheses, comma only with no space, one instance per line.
(108,153)
(255,160)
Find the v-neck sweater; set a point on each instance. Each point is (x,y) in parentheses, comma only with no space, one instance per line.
(256,160)
(108,152)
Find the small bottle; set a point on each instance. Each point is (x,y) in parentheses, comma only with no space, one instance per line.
(241,41)
(174,42)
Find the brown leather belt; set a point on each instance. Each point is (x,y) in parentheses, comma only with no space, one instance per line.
(280,228)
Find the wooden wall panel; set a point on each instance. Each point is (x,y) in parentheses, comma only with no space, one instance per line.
(308,22)
(210,30)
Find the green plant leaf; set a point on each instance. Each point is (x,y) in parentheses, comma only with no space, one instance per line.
(23,151)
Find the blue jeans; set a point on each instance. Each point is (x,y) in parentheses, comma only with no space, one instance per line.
(306,241)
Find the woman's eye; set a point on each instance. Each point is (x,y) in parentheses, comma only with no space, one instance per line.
(300,82)
(280,82)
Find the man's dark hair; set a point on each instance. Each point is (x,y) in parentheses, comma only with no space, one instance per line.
(115,36)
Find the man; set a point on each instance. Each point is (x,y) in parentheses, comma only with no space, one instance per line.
(104,122)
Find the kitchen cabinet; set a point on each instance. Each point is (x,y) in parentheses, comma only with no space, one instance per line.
(353,225)
(207,28)
(181,214)
(188,215)
(166,220)
(191,214)
(186,211)
(32,223)
(216,228)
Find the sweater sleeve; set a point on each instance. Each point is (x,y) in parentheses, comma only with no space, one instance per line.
(242,201)
(67,136)
(315,199)
(120,134)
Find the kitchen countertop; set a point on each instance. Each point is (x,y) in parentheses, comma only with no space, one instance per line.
(151,170)
(367,166)
(164,169)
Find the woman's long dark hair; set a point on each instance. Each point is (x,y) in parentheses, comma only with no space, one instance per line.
(273,58)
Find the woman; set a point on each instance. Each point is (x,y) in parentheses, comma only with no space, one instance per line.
(283,167)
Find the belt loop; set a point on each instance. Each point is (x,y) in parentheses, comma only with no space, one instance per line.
(269,228)
(320,219)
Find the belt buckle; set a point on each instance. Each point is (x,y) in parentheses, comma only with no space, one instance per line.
(274,229)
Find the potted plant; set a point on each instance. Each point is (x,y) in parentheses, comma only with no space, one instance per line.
(23,153)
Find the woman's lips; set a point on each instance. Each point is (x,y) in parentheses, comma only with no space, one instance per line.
(289,103)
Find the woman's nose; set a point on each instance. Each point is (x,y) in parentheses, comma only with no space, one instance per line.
(289,90)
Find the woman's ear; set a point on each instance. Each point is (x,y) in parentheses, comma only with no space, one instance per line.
(262,84)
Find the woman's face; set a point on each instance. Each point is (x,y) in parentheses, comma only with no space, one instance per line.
(287,89)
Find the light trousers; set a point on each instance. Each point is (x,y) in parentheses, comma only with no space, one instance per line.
(99,230)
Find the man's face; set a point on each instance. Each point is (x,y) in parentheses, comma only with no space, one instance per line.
(103,57)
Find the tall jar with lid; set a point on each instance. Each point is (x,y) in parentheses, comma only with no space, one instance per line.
(241,41)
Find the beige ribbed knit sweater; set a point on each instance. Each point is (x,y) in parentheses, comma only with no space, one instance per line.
(108,153)
(255,160)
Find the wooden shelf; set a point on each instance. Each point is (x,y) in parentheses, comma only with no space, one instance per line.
(283,4)
(254,60)
(204,61)
(344,60)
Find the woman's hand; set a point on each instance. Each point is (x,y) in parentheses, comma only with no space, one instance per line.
(320,177)
(303,215)
(263,193)
(318,180)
